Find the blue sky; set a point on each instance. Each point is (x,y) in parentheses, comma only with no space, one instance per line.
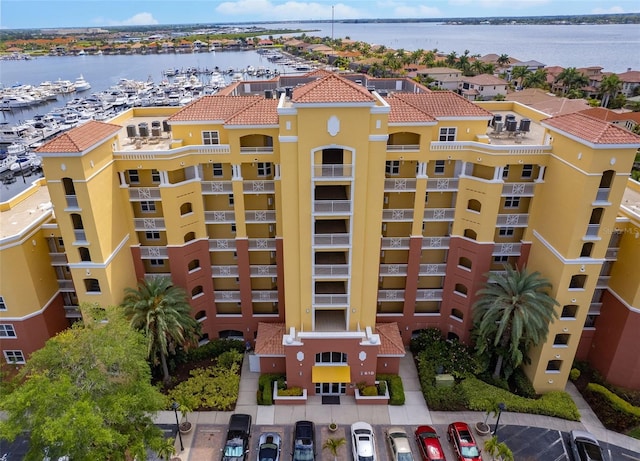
(16,14)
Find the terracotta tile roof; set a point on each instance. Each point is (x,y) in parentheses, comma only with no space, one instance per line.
(80,138)
(484,79)
(214,107)
(263,112)
(630,76)
(269,339)
(319,73)
(611,116)
(331,89)
(443,104)
(591,130)
(390,339)
(403,112)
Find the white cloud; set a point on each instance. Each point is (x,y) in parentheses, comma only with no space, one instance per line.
(501,4)
(140,19)
(420,11)
(291,10)
(611,10)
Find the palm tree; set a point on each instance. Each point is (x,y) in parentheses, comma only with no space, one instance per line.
(503,60)
(609,86)
(498,450)
(537,79)
(572,79)
(333,444)
(162,312)
(512,314)
(450,60)
(519,73)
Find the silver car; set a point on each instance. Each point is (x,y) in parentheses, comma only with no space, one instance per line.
(585,447)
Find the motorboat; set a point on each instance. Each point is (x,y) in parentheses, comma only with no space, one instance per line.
(81,84)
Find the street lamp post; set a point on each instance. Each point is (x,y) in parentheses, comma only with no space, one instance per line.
(501,408)
(174,407)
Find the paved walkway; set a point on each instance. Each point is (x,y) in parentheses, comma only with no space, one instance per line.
(413,412)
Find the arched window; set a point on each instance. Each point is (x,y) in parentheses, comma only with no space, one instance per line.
(197,291)
(84,254)
(578,281)
(457,314)
(596,216)
(607,179)
(193,265)
(189,236)
(76,220)
(69,188)
(92,285)
(470,234)
(474,205)
(460,289)
(186,208)
(464,262)
(569,311)
(201,315)
(587,248)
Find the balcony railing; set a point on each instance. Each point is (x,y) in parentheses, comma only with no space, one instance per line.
(224,271)
(72,312)
(217,187)
(219,217)
(260,216)
(434,294)
(259,187)
(331,299)
(332,240)
(66,285)
(432,269)
(144,193)
(262,244)
(72,201)
(147,252)
(227,296)
(333,171)
(442,184)
(222,245)
(390,295)
(144,224)
(205,150)
(256,149)
(332,207)
(518,189)
(395,243)
(439,214)
(393,269)
(507,249)
(602,196)
(402,147)
(513,220)
(263,270)
(331,270)
(80,235)
(264,296)
(399,185)
(405,215)
(611,254)
(435,243)
(594,308)
(58,259)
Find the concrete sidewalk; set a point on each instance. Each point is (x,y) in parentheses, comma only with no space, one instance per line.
(413,412)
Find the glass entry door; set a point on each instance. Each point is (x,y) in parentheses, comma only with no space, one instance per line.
(331,388)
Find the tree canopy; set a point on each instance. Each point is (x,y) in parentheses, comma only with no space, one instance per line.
(87,393)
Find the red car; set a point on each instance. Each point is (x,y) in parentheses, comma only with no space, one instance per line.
(429,444)
(463,442)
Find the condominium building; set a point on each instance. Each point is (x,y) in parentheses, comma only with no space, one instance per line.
(325,219)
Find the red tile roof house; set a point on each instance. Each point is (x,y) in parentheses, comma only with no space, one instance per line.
(482,87)
(630,81)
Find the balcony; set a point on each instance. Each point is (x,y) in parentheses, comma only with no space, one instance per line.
(144,193)
(332,207)
(72,202)
(397,215)
(611,254)
(217,187)
(67,286)
(513,220)
(337,299)
(153,252)
(226,296)
(332,171)
(435,243)
(432,269)
(403,147)
(80,235)
(439,214)
(219,217)
(393,270)
(145,224)
(518,189)
(507,249)
(429,294)
(268,244)
(395,243)
(58,259)
(72,312)
(390,295)
(331,240)
(400,185)
(260,216)
(592,232)
(256,150)
(224,271)
(264,296)
(222,245)
(331,270)
(594,308)
(602,196)
(263,271)
(442,185)
(259,187)
(603,282)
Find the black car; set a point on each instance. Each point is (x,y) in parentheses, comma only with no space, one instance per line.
(585,447)
(236,446)
(304,441)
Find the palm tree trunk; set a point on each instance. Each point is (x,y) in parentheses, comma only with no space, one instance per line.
(165,369)
(498,368)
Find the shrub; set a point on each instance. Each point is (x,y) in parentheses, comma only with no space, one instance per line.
(382,388)
(522,386)
(396,388)
(211,388)
(615,401)
(445,399)
(369,391)
(265,387)
(228,358)
(574,374)
(213,349)
(425,340)
(290,392)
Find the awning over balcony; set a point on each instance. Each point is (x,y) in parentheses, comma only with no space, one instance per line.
(331,374)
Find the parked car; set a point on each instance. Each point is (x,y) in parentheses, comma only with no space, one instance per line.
(464,444)
(429,444)
(269,447)
(304,441)
(585,447)
(236,446)
(399,444)
(363,443)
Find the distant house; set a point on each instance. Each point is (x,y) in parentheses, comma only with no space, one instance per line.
(530,65)
(626,120)
(265,43)
(444,78)
(630,81)
(482,87)
(547,102)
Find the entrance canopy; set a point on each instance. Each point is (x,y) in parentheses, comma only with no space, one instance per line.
(331,374)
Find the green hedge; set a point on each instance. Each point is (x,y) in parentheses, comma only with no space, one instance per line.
(396,388)
(480,396)
(616,402)
(265,387)
(214,348)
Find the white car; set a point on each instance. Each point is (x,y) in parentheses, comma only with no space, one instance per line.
(399,444)
(363,444)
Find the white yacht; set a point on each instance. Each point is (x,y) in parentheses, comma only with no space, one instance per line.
(81,84)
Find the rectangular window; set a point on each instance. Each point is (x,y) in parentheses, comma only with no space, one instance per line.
(500,259)
(511,202)
(60,243)
(393,167)
(147,206)
(156,262)
(506,231)
(233,227)
(527,171)
(217,169)
(264,169)
(152,235)
(505,172)
(7,331)
(155,176)
(447,134)
(14,356)
(439,168)
(134,176)
(3,305)
(231,200)
(210,137)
